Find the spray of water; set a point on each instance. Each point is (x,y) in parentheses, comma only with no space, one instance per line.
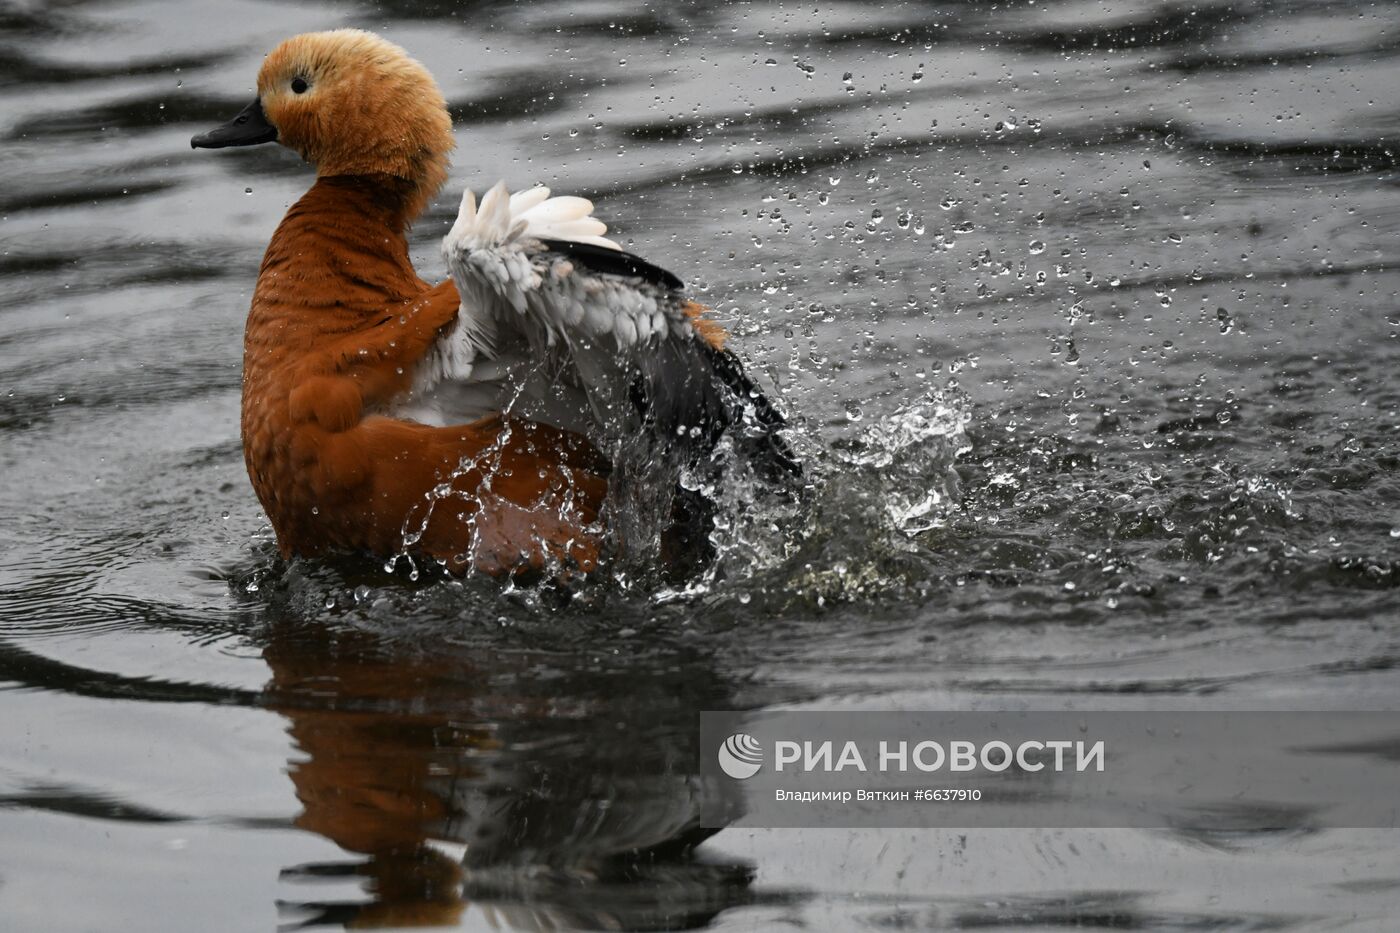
(853,525)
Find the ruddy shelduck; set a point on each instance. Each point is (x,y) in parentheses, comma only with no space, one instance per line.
(477,422)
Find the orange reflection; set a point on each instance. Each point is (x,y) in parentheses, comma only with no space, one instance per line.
(572,791)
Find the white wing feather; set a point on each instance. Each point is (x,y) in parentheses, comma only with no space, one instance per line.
(568,345)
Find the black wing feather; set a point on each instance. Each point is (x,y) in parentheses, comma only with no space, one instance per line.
(613,262)
(680,384)
(692,384)
(768,448)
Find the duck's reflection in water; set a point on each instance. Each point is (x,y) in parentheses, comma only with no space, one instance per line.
(569,783)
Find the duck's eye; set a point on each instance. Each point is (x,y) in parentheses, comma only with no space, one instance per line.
(299,85)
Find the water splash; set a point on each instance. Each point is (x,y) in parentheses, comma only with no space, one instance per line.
(856,529)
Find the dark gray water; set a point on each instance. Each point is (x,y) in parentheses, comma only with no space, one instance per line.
(1128,270)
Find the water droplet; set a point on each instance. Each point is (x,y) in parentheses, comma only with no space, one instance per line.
(853,412)
(1037,247)
(737,168)
(247,190)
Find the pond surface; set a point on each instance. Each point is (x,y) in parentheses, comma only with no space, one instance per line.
(1085,318)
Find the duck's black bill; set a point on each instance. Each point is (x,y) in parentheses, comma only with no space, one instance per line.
(249,128)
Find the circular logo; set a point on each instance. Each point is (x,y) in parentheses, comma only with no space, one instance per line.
(740,756)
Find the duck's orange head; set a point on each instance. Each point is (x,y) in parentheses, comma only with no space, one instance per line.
(350,103)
